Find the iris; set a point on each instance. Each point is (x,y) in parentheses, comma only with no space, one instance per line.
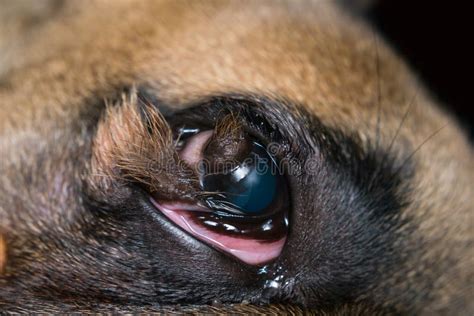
(249,188)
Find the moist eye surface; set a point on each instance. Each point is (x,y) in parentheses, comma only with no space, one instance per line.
(250,187)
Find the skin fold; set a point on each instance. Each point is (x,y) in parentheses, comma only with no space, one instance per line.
(382,224)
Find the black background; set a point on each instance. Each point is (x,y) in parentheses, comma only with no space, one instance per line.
(434,38)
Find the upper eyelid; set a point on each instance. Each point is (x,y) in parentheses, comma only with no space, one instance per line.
(252,111)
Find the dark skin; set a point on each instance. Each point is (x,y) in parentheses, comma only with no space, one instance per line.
(379,190)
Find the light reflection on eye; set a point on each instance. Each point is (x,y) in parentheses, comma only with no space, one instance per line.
(250,187)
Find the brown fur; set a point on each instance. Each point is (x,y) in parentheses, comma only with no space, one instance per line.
(228,145)
(127,149)
(56,72)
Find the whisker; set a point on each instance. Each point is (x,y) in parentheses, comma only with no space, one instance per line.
(379,92)
(421,145)
(409,107)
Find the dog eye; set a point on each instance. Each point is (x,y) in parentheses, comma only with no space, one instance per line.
(243,209)
(249,188)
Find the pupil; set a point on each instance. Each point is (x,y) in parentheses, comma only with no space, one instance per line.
(250,187)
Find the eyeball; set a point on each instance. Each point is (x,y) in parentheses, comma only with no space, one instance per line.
(250,188)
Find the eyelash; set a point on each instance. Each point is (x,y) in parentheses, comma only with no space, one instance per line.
(249,115)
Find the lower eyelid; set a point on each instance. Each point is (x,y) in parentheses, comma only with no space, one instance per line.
(249,251)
